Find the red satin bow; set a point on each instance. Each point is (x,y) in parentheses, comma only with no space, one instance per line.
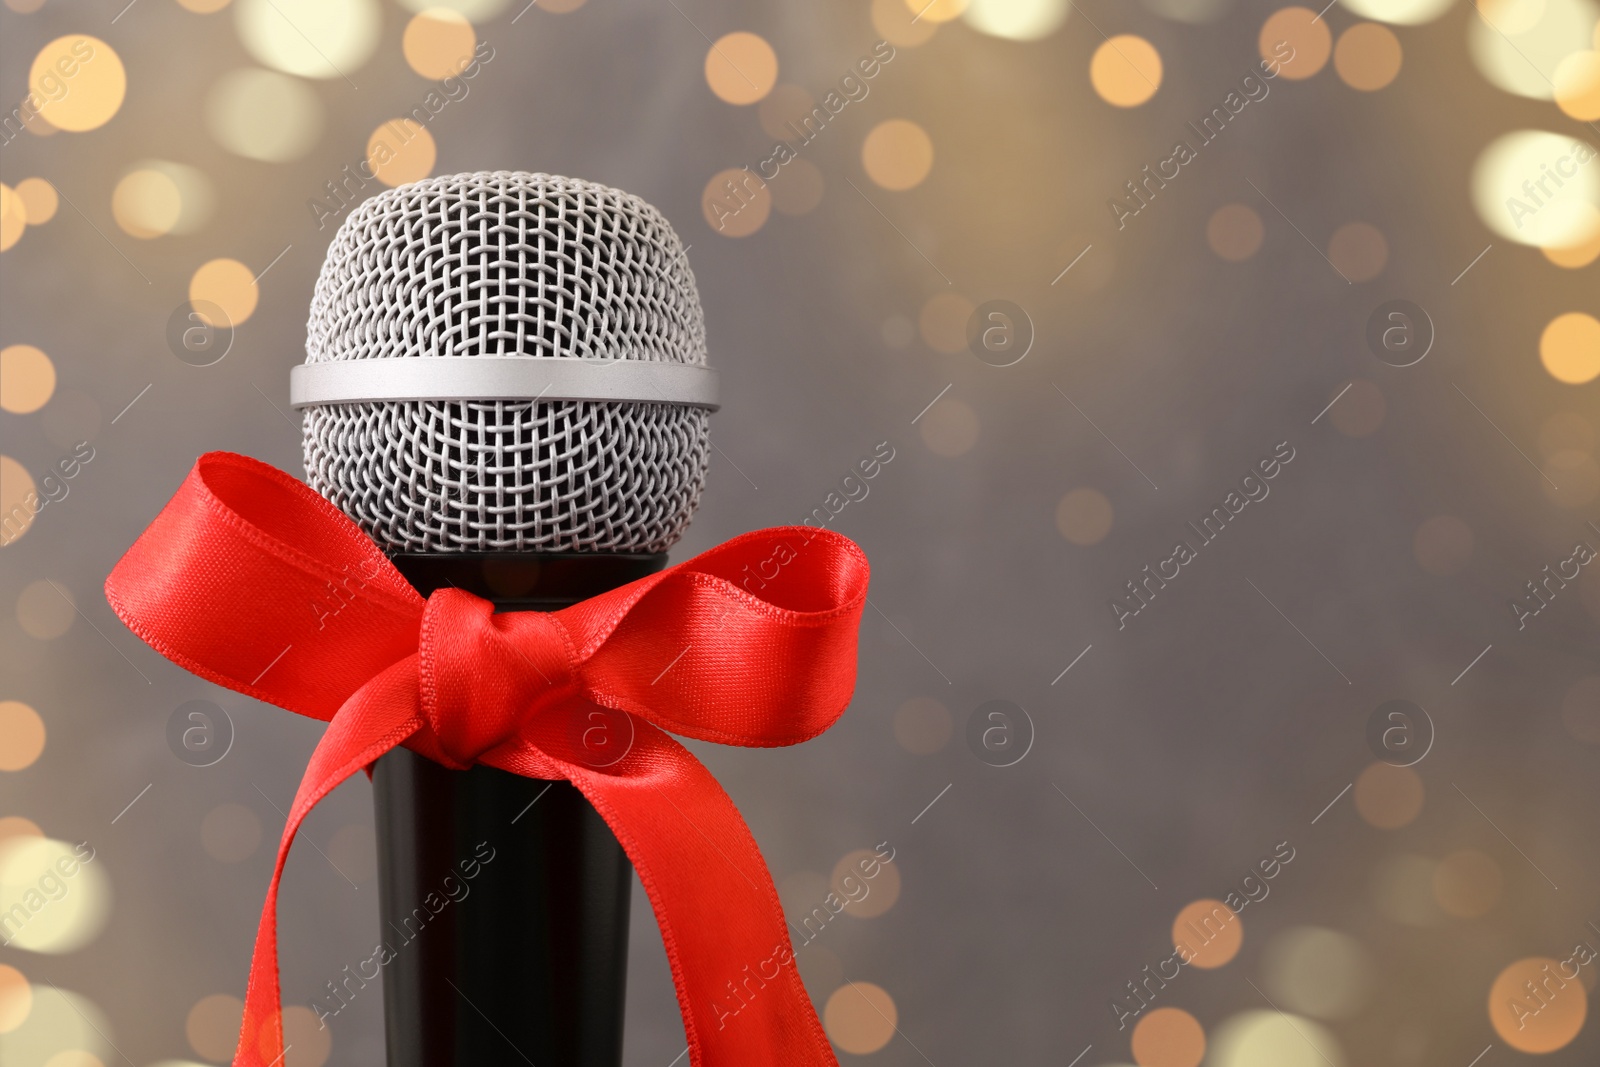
(250,579)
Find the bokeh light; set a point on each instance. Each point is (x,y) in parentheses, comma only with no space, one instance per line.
(1538,188)
(943,322)
(736,203)
(228,284)
(1211,931)
(1274,1039)
(438,42)
(1585,249)
(1168,1037)
(935,10)
(1368,56)
(1084,516)
(401,151)
(58,1021)
(307,1041)
(1359,251)
(1300,30)
(157,197)
(1580,709)
(13,217)
(1399,12)
(212,1026)
(1467,884)
(27,379)
(1387,796)
(860,1017)
(1518,44)
(263,115)
(1017,20)
(1574,479)
(922,726)
(1318,972)
(45,609)
(881,890)
(1442,545)
(741,68)
(39,200)
(16,998)
(1577,85)
(17,511)
(897,155)
(1125,70)
(781,111)
(1235,232)
(1360,411)
(309,38)
(1569,348)
(479,10)
(204,7)
(899,25)
(79,81)
(16,825)
(21,735)
(949,428)
(1190,11)
(1402,890)
(63,911)
(1534,1008)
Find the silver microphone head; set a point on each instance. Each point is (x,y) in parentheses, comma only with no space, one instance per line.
(507,362)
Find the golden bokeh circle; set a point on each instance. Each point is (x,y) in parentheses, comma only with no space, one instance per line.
(1368,56)
(146,203)
(438,43)
(860,1017)
(1570,348)
(79,81)
(1360,411)
(935,11)
(897,155)
(781,111)
(1358,251)
(16,998)
(204,7)
(736,203)
(1467,884)
(922,726)
(1300,29)
(17,826)
(230,833)
(1388,797)
(942,322)
(1316,971)
(401,151)
(1537,1024)
(45,609)
(898,24)
(1580,709)
(39,200)
(1084,516)
(74,1057)
(13,217)
(228,284)
(797,190)
(882,889)
(1168,1037)
(1209,931)
(1581,252)
(949,428)
(24,7)
(212,1026)
(309,1041)
(21,735)
(1125,70)
(263,115)
(1235,232)
(741,67)
(27,379)
(17,510)
(310,38)
(1442,545)
(1577,82)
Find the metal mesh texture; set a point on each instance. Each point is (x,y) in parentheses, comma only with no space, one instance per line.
(508,264)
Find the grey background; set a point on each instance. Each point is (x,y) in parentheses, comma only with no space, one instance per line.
(1195,739)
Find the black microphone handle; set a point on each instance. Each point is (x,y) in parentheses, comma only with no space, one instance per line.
(504,899)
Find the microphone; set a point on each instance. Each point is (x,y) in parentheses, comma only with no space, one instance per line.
(506,387)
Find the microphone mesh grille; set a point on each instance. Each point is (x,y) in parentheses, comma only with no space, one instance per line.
(508,264)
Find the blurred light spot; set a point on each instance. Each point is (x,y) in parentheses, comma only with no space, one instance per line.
(1388,797)
(79,81)
(45,610)
(311,38)
(16,998)
(39,200)
(1534,1008)
(898,24)
(1274,1039)
(1577,88)
(1234,232)
(1538,188)
(935,10)
(263,115)
(1084,516)
(59,1021)
(1570,348)
(943,322)
(897,331)
(21,735)
(1467,884)
(798,188)
(860,1017)
(17,826)
(213,1026)
(401,151)
(1317,972)
(1360,411)
(204,7)
(146,203)
(27,378)
(74,1057)
(1168,1037)
(1566,431)
(306,1041)
(1400,12)
(1295,40)
(1518,44)
(228,284)
(1017,20)
(1125,70)
(741,68)
(950,428)
(438,43)
(1368,56)
(1442,545)
(874,895)
(782,110)
(1402,889)
(736,203)
(24,7)
(1191,11)
(478,10)
(1211,932)
(13,217)
(1580,709)
(230,833)
(922,726)
(1359,251)
(897,155)
(1584,251)
(58,911)
(353,849)
(1576,477)
(19,500)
